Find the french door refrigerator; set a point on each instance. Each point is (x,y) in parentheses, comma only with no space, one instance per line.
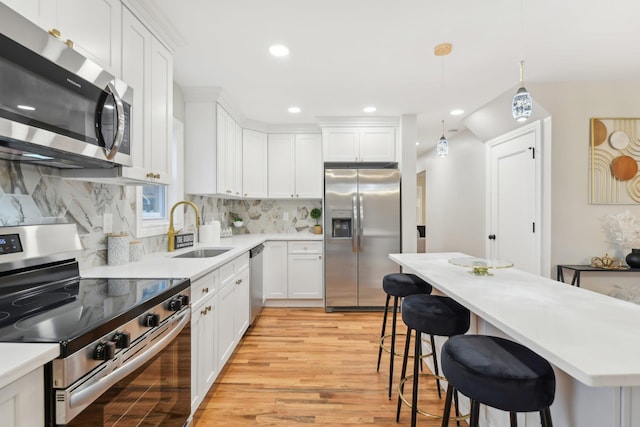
(362,227)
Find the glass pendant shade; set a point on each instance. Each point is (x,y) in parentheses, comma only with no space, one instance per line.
(522,104)
(442,149)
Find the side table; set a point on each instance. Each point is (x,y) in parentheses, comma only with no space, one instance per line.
(577,269)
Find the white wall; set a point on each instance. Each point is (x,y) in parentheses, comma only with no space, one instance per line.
(455,197)
(408,138)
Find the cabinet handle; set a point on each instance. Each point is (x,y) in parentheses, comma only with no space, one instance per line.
(245,194)
(208,308)
(238,281)
(157,176)
(69,43)
(205,290)
(319,256)
(297,195)
(203,312)
(292,195)
(55,33)
(150,175)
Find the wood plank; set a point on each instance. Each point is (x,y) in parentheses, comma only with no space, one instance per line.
(305,366)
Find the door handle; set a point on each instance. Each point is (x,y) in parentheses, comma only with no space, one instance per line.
(111,152)
(360,222)
(354,226)
(492,237)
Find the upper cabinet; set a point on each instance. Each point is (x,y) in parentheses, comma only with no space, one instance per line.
(97,39)
(359,144)
(213,147)
(254,164)
(152,110)
(295,166)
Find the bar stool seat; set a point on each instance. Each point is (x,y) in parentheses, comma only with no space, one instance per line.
(499,373)
(433,315)
(398,285)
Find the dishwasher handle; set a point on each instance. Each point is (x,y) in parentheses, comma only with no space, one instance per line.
(254,252)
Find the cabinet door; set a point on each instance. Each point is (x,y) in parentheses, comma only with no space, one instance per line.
(254,164)
(22,401)
(40,12)
(305,276)
(281,166)
(136,63)
(204,364)
(94,27)
(340,144)
(161,107)
(226,328)
(230,155)
(200,151)
(308,169)
(377,144)
(275,270)
(237,161)
(242,300)
(222,119)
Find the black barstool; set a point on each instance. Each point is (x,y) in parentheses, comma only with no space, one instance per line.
(433,315)
(398,285)
(499,373)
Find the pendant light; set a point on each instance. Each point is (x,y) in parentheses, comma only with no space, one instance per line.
(443,145)
(442,50)
(522,104)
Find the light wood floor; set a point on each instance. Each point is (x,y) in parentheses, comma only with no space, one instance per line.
(305,366)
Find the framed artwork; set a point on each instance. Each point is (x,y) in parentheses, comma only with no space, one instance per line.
(615,153)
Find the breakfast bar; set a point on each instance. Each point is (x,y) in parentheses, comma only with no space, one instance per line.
(591,339)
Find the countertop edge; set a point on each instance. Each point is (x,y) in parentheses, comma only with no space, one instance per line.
(18,359)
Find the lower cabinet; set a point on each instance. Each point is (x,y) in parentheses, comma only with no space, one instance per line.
(234,302)
(22,401)
(293,270)
(219,319)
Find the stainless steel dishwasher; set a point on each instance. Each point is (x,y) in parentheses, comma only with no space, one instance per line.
(255,282)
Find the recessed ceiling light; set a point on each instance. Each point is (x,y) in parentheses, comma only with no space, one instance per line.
(370,109)
(456,112)
(293,109)
(279,50)
(417,142)
(26,107)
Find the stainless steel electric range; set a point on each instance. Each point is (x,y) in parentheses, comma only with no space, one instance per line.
(125,344)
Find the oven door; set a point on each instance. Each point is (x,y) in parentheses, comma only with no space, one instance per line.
(152,387)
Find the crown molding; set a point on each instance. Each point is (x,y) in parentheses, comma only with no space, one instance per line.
(159,25)
(358,121)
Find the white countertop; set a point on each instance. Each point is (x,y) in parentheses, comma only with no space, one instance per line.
(163,264)
(17,359)
(590,336)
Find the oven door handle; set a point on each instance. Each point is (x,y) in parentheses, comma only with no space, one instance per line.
(83,398)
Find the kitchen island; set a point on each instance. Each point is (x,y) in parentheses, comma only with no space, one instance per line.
(590,339)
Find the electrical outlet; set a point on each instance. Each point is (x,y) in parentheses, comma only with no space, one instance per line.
(285,216)
(107,223)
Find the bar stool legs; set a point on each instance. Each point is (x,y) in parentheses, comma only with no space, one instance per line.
(384,328)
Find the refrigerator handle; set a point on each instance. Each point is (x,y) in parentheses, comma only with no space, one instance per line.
(360,223)
(354,225)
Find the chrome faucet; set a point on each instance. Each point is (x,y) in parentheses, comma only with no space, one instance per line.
(172,232)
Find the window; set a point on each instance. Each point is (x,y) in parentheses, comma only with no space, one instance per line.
(154,202)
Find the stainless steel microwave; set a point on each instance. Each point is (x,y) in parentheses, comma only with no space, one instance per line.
(57,107)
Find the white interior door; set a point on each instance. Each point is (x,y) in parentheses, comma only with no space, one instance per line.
(514,220)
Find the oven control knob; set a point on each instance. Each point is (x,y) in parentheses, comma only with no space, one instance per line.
(105,350)
(122,339)
(184,299)
(151,320)
(175,304)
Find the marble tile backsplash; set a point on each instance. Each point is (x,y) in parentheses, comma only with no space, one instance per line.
(31,194)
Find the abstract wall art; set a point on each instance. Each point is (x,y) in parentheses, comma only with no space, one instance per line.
(615,154)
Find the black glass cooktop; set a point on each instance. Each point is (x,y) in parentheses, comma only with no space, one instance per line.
(79,309)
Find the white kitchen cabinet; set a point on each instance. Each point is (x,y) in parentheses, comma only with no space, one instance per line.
(293,270)
(359,144)
(229,146)
(22,401)
(275,270)
(233,302)
(148,67)
(97,39)
(204,337)
(295,166)
(281,161)
(304,270)
(254,164)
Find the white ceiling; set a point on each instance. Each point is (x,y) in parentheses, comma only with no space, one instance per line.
(347,54)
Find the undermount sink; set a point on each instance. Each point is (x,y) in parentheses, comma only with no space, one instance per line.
(202,253)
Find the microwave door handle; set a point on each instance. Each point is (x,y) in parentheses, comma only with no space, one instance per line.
(354,225)
(119,136)
(360,223)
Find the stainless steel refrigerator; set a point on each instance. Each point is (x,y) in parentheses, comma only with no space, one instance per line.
(361,228)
